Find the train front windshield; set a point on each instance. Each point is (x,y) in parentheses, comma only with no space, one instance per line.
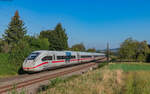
(32,56)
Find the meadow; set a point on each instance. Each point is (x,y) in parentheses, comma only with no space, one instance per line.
(130,66)
(114,78)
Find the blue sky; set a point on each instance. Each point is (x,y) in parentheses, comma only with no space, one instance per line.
(92,22)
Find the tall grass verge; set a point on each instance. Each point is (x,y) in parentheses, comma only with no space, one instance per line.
(99,81)
(138,82)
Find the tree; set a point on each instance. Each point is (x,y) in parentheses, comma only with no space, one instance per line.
(91,50)
(60,39)
(78,47)
(4,47)
(19,52)
(134,50)
(16,30)
(143,51)
(39,43)
(57,38)
(46,34)
(141,57)
(128,49)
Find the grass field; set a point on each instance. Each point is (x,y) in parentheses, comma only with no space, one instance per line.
(130,66)
(124,78)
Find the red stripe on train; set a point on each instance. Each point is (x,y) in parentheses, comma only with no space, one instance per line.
(35,66)
(42,64)
(58,61)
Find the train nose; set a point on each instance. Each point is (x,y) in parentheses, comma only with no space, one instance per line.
(28,65)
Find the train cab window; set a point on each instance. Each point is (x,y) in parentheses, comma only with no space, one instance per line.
(47,58)
(32,56)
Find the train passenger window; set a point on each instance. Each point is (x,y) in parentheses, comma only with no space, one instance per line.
(96,56)
(60,57)
(86,56)
(65,57)
(73,57)
(70,57)
(47,58)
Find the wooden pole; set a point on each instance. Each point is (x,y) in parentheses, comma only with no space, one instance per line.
(107,52)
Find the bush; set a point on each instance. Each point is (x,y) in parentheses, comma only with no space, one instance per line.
(102,64)
(6,68)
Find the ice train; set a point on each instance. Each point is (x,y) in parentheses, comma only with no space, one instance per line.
(43,59)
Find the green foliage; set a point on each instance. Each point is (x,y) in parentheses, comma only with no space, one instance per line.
(78,47)
(127,49)
(133,50)
(102,64)
(6,69)
(141,57)
(4,46)
(15,31)
(62,36)
(46,34)
(55,82)
(39,44)
(91,50)
(57,38)
(19,52)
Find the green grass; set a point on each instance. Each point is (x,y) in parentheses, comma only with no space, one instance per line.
(130,66)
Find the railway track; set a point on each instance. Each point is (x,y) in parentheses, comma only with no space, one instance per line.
(9,87)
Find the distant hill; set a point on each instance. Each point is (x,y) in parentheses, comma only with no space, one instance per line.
(112,50)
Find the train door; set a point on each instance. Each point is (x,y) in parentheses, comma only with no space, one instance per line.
(46,58)
(68,57)
(54,57)
(59,59)
(52,64)
(78,57)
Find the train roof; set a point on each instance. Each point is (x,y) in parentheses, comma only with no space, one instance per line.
(89,53)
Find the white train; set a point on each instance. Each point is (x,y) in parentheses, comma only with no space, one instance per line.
(43,59)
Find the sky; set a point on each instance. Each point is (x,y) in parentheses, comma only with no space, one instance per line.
(92,22)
